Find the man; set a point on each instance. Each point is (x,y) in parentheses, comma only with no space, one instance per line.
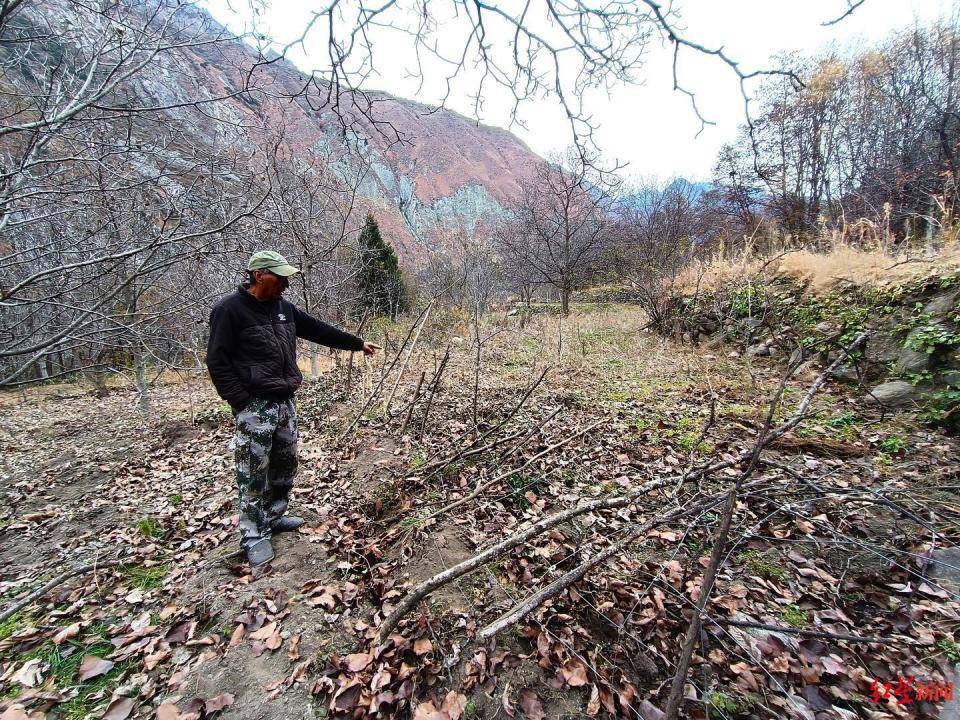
(252,359)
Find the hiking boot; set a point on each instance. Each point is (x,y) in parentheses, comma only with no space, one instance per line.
(288,523)
(260,552)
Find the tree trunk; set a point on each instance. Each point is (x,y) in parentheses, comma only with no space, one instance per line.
(143,387)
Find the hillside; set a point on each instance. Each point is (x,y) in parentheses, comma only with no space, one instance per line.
(431,171)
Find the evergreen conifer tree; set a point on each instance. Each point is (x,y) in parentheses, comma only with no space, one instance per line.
(380,280)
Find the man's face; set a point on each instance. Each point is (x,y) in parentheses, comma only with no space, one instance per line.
(273,285)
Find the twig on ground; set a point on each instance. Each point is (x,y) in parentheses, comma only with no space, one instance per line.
(709,576)
(533,601)
(502,476)
(58,580)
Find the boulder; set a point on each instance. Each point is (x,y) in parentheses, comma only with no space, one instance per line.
(941,305)
(761,349)
(896,393)
(883,348)
(950,378)
(846,373)
(910,362)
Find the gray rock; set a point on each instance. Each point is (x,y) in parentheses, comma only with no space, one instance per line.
(941,305)
(894,394)
(825,328)
(883,348)
(845,373)
(759,349)
(773,350)
(911,361)
(950,377)
(796,356)
(945,568)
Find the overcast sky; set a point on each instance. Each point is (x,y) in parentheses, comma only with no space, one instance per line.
(648,126)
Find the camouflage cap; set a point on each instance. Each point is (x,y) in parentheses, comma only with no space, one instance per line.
(272,261)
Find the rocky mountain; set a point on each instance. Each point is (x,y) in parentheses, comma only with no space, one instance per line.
(446,174)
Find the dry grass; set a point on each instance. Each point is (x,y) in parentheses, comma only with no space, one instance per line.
(832,258)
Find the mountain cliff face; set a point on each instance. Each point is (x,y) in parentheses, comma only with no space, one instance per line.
(447,174)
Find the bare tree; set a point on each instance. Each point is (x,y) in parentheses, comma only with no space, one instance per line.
(559,231)
(555,49)
(875,133)
(658,230)
(107,188)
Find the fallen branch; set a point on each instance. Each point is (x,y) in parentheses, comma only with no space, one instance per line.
(463,455)
(719,546)
(521,610)
(811,633)
(59,580)
(502,476)
(471,449)
(420,591)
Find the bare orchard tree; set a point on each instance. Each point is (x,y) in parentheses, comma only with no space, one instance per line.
(659,229)
(313,216)
(86,285)
(109,187)
(560,228)
(463,272)
(875,134)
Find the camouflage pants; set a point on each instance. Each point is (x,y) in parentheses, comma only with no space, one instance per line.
(265,454)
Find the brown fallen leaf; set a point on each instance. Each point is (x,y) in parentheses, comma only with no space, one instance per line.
(93,666)
(15,712)
(358,661)
(168,711)
(593,705)
(274,641)
(530,705)
(119,708)
(29,675)
(574,673)
(71,631)
(294,652)
(648,711)
(422,646)
(454,704)
(237,637)
(265,632)
(505,701)
(218,703)
(427,711)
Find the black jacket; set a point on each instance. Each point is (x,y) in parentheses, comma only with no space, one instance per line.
(252,351)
